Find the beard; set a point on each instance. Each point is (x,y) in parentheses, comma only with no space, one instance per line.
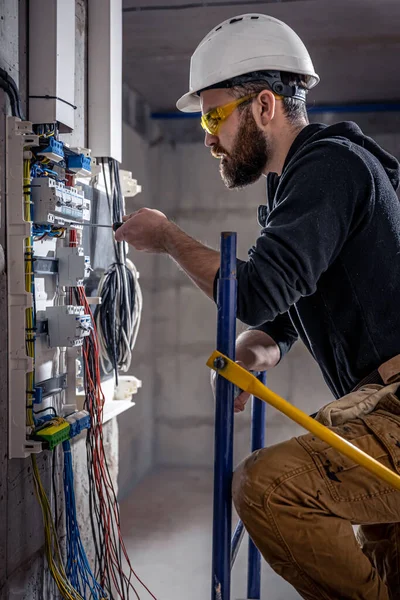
(246,162)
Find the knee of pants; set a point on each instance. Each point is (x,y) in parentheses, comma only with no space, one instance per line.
(250,480)
(261,472)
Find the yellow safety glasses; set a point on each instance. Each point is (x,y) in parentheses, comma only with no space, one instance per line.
(213,119)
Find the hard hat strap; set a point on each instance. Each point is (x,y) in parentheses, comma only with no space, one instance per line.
(273,80)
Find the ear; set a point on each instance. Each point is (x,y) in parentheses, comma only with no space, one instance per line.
(264,108)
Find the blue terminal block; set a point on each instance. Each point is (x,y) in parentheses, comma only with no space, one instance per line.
(54,151)
(78,422)
(79,163)
(38,397)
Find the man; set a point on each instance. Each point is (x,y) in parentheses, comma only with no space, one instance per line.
(326,267)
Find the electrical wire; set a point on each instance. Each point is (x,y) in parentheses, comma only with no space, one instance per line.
(54,485)
(28,204)
(76,580)
(8,84)
(205,4)
(52,548)
(78,568)
(30,313)
(37,412)
(30,334)
(105,518)
(118,316)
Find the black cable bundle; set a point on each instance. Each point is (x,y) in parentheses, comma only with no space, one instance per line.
(8,84)
(118,316)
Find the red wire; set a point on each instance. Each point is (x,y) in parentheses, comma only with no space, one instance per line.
(102,478)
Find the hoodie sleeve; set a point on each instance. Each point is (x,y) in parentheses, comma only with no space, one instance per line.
(321,199)
(281,330)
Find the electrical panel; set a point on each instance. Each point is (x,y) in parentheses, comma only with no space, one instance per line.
(53,339)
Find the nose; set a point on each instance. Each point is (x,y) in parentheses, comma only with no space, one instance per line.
(210,140)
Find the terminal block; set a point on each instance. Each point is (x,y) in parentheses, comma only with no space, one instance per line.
(73,266)
(54,151)
(55,203)
(79,164)
(78,421)
(53,434)
(67,325)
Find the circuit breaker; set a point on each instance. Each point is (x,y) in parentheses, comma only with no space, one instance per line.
(55,203)
(67,325)
(73,266)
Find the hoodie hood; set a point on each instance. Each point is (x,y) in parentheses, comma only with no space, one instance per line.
(350,131)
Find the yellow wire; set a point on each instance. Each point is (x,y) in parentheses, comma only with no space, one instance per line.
(30,346)
(30,334)
(26,191)
(52,548)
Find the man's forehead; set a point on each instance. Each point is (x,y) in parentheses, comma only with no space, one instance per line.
(210,99)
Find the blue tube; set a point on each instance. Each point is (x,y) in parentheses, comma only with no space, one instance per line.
(372,107)
(223,446)
(258,413)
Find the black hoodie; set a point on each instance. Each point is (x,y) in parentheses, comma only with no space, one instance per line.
(326,266)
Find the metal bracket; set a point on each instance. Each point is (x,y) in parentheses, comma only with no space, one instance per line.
(45,266)
(42,327)
(52,386)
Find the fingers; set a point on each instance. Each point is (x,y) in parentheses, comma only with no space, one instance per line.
(120,234)
(241,401)
(126,218)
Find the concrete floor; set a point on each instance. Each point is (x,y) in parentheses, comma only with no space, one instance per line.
(167,523)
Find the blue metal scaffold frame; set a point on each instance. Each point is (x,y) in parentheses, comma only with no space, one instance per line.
(224,550)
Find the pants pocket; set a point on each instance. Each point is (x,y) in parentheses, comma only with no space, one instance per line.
(386,428)
(345,480)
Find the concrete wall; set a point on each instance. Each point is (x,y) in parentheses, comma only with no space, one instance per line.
(191,192)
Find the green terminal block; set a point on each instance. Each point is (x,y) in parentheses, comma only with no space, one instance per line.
(54,434)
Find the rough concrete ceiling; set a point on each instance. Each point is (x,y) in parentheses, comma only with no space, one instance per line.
(355,45)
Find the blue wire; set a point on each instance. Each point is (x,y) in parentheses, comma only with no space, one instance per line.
(77,568)
(40,229)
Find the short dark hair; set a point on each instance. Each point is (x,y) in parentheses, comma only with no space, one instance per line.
(294,109)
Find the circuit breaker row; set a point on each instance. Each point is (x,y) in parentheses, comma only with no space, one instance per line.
(56,204)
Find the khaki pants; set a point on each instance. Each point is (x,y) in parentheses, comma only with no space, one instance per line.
(299,499)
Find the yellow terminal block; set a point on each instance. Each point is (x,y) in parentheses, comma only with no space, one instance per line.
(53,434)
(247,382)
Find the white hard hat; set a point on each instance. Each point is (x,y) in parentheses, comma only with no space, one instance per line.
(243,44)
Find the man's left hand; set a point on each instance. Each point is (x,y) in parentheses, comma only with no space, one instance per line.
(145,230)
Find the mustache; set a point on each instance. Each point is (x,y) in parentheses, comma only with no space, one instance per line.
(218,151)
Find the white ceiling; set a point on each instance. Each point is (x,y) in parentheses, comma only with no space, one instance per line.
(354,44)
